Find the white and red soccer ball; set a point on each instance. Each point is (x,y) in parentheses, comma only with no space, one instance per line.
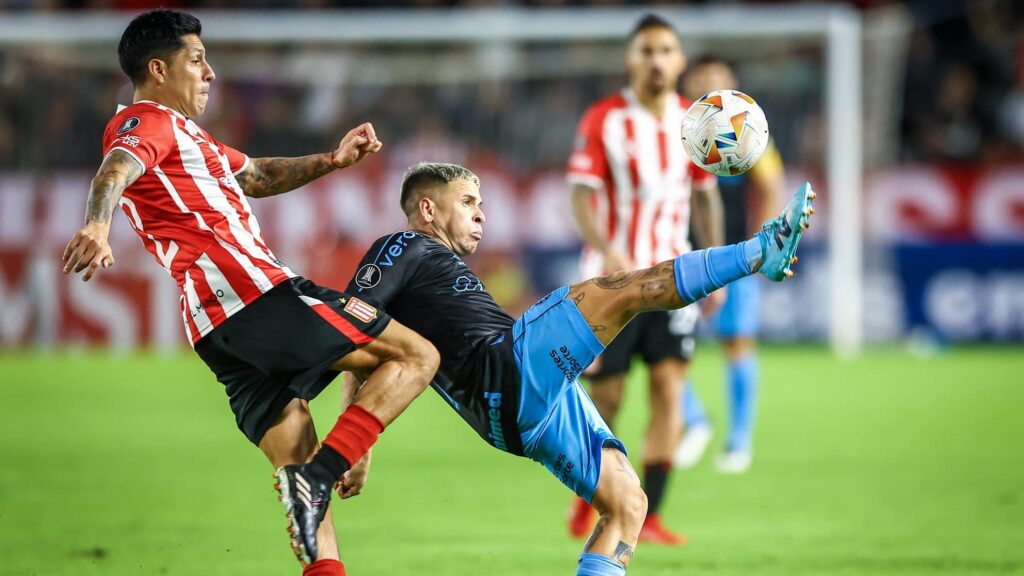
(725,132)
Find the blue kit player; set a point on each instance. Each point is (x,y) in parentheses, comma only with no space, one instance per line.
(747,199)
(516,381)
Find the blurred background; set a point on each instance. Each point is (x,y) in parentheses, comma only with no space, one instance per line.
(116,444)
(933,224)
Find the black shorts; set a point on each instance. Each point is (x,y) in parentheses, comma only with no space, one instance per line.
(654,336)
(282,346)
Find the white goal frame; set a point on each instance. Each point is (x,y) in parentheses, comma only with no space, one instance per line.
(838,25)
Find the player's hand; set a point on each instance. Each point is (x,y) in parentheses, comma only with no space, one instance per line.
(713,302)
(359,142)
(618,261)
(88,250)
(352,482)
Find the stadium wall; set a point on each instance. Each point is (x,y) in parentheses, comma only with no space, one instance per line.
(944,255)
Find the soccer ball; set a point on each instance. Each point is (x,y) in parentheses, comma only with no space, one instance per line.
(725,132)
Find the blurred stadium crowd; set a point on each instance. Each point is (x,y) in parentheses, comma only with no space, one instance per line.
(963,99)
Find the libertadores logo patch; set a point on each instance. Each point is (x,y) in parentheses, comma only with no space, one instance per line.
(129,125)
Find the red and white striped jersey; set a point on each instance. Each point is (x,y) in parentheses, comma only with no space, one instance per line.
(643,179)
(191,214)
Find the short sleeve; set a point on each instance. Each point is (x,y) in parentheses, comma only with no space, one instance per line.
(237,161)
(387,268)
(143,132)
(588,163)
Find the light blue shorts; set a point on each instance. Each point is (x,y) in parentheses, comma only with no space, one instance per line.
(558,422)
(738,316)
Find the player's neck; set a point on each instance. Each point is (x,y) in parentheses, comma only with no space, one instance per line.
(653,102)
(151,95)
(432,232)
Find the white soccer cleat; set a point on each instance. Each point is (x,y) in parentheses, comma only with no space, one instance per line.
(692,446)
(734,461)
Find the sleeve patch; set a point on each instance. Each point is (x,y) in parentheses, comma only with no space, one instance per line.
(130,124)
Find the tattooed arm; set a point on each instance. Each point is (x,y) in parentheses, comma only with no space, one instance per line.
(88,248)
(270,176)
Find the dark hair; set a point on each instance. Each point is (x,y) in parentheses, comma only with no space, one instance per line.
(708,60)
(153,34)
(651,21)
(428,175)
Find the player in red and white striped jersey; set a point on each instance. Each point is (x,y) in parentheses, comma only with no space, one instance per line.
(632,184)
(274,339)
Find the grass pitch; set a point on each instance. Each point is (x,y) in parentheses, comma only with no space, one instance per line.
(887,465)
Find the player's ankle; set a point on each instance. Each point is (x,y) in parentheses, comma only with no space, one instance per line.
(325,567)
(327,466)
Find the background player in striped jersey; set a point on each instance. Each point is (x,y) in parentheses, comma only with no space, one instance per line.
(748,199)
(631,193)
(274,339)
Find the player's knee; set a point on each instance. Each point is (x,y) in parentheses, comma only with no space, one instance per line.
(632,507)
(423,356)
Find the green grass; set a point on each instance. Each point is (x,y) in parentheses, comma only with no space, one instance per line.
(887,465)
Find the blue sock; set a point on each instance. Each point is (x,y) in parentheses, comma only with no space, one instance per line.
(598,565)
(693,409)
(702,272)
(742,401)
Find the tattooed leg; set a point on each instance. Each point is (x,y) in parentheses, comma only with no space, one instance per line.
(622,504)
(609,302)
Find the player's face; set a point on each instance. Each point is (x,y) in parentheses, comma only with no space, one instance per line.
(704,79)
(655,60)
(459,216)
(188,77)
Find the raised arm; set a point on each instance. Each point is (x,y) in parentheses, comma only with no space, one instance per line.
(88,248)
(271,176)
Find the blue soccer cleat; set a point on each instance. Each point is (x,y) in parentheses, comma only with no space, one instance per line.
(779,237)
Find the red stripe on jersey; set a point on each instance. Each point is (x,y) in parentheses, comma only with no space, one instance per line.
(235,275)
(342,325)
(682,214)
(634,177)
(654,231)
(634,226)
(208,300)
(191,329)
(663,149)
(634,172)
(612,208)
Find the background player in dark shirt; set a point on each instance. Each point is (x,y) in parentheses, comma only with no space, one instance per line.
(748,199)
(516,381)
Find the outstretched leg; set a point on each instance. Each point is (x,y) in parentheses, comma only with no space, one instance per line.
(609,302)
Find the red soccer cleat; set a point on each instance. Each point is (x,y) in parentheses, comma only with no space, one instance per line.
(652,532)
(581,518)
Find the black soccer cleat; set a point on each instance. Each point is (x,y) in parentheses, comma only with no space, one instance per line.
(305,503)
